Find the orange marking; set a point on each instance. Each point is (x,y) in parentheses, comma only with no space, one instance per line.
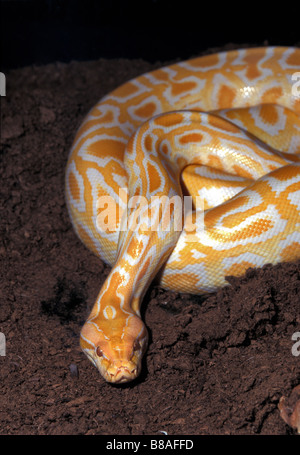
(108,147)
(242,172)
(183,87)
(269,114)
(106,117)
(226,96)
(155,180)
(297,105)
(160,75)
(164,149)
(272,95)
(169,120)
(74,187)
(148,143)
(218,122)
(146,111)
(294,59)
(215,162)
(252,71)
(135,247)
(291,252)
(287,173)
(125,90)
(238,269)
(110,295)
(254,229)
(193,137)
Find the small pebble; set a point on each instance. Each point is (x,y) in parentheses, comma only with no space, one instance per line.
(74,370)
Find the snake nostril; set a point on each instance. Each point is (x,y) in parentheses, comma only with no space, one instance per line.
(99,352)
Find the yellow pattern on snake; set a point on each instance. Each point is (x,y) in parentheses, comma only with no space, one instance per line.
(224,128)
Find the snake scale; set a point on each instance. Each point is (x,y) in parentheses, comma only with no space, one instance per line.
(223,129)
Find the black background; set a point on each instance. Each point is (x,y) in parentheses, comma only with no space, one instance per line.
(43,31)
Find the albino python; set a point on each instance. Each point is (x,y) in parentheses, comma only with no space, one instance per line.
(224,128)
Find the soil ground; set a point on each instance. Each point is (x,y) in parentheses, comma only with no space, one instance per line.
(214,366)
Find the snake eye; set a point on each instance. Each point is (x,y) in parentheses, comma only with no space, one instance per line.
(136,345)
(99,352)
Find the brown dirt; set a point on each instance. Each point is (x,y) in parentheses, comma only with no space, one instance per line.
(214,366)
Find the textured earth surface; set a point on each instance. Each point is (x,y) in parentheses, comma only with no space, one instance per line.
(214,366)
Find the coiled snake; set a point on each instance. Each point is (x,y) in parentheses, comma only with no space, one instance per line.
(224,128)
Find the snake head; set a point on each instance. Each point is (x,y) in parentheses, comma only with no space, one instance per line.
(115,347)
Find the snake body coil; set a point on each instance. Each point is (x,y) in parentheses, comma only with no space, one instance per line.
(224,128)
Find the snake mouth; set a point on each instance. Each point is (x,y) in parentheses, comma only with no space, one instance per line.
(118,372)
(121,375)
